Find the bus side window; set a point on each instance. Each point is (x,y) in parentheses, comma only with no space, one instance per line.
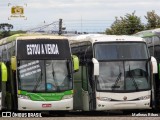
(4,54)
(157,52)
(151,51)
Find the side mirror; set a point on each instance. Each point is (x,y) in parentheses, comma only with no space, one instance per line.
(154,65)
(96,66)
(13,63)
(4,72)
(75,63)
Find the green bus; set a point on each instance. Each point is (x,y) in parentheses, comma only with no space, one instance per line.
(39,73)
(152,38)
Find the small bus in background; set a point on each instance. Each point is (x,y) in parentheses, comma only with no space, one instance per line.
(152,38)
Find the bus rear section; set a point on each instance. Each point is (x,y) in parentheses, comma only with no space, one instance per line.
(41,74)
(118,73)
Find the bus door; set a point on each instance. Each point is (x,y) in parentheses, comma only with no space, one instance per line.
(88,89)
(158,86)
(77,99)
(154,50)
(85,94)
(91,87)
(157,76)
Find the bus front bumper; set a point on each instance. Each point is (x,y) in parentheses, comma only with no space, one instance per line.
(25,104)
(124,105)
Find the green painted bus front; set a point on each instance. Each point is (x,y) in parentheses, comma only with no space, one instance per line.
(29,60)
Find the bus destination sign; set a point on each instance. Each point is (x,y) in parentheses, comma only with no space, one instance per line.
(43,49)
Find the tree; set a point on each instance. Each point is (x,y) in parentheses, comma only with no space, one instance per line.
(5,29)
(153,20)
(118,27)
(127,25)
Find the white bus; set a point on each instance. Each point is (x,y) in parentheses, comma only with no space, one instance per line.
(115,73)
(40,72)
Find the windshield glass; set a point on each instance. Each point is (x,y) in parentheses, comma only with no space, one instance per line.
(44,75)
(58,75)
(114,51)
(123,76)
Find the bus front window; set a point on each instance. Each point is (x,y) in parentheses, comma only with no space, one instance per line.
(126,75)
(58,76)
(42,75)
(111,76)
(136,75)
(122,66)
(30,74)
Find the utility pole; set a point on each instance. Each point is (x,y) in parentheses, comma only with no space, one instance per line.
(60,27)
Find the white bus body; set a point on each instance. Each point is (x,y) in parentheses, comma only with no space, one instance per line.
(115,92)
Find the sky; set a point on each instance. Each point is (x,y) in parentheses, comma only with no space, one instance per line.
(77,15)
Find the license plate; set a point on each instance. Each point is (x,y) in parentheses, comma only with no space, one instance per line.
(46,105)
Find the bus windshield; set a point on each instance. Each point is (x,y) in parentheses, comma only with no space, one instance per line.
(123,66)
(44,75)
(124,76)
(114,51)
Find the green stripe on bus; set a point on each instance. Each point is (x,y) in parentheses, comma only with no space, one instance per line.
(46,96)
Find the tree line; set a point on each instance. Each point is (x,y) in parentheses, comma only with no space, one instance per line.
(130,24)
(5,30)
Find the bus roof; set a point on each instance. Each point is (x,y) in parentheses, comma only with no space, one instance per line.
(148,33)
(29,36)
(103,38)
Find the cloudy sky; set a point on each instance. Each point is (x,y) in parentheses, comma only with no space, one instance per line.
(81,15)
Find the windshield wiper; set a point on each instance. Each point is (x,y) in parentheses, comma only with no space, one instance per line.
(56,84)
(132,78)
(116,82)
(38,81)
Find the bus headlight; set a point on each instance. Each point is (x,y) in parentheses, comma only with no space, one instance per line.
(104,98)
(23,97)
(67,97)
(145,97)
